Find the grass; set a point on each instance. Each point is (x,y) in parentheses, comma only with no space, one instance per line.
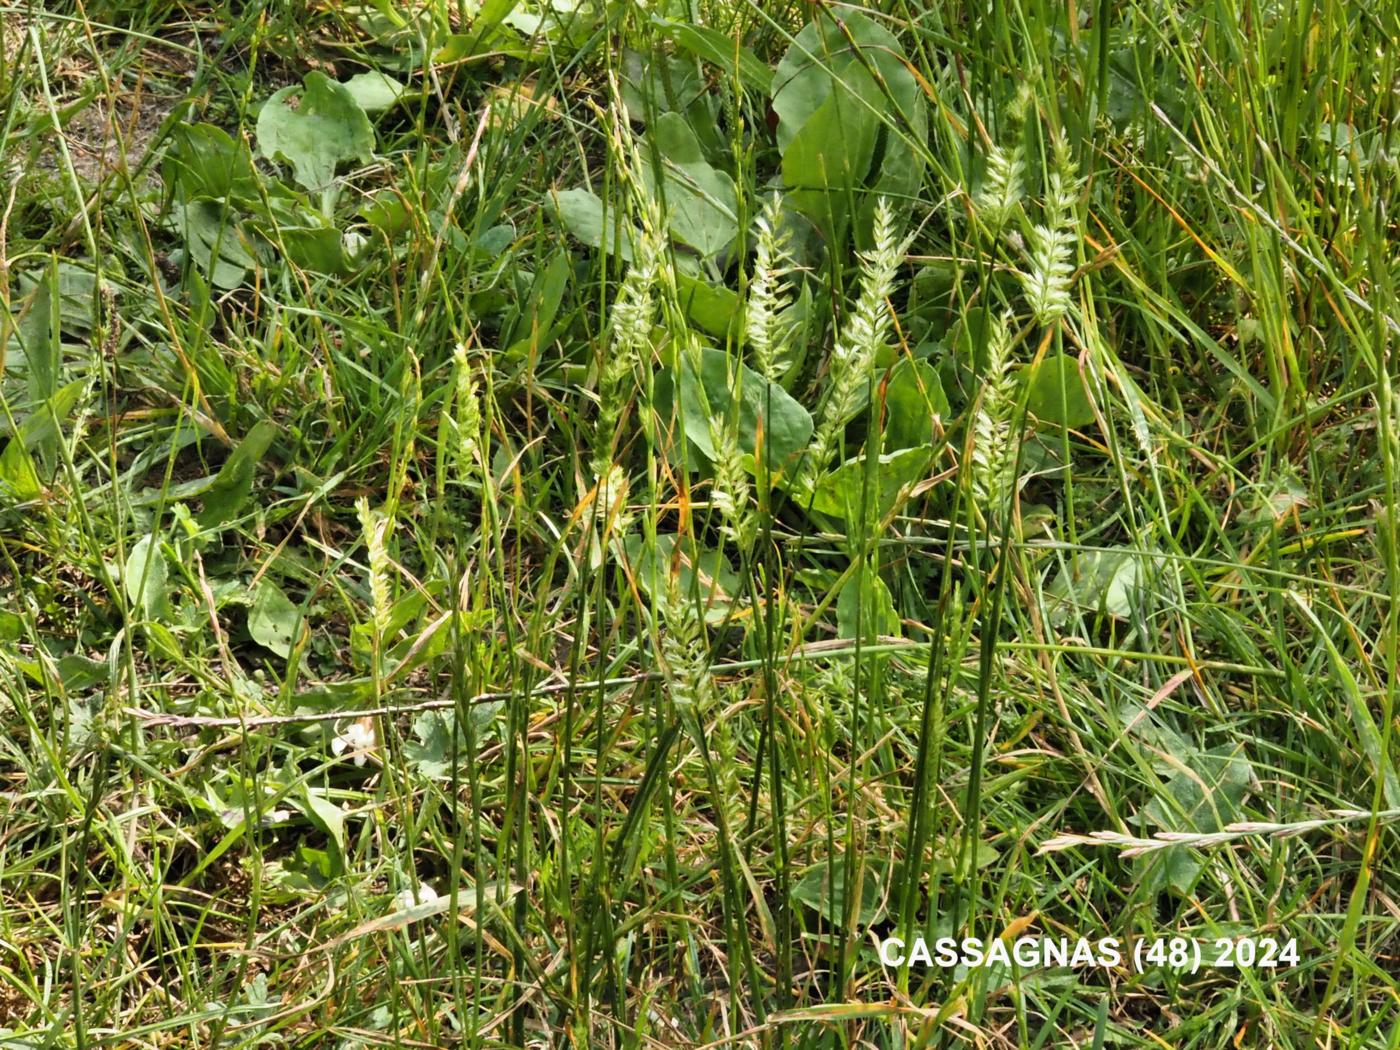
(500,592)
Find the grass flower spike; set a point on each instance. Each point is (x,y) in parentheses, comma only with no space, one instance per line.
(866,330)
(683,650)
(993,450)
(466,408)
(1001,191)
(1047,282)
(629,337)
(374,526)
(768,293)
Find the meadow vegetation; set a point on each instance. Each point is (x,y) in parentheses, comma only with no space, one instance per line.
(567,522)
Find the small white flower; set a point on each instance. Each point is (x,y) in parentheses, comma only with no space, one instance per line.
(358,739)
(406,899)
(353,243)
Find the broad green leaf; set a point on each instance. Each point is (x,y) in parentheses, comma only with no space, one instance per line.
(833,111)
(78,672)
(305,236)
(162,641)
(40,435)
(822,888)
(700,202)
(798,321)
(704,576)
(1132,60)
(720,49)
(1104,582)
(493,12)
(234,483)
(374,91)
(40,337)
(1205,795)
(914,399)
(204,161)
(329,817)
(807,75)
(481,43)
(215,242)
(668,83)
(145,578)
(272,618)
(319,249)
(485,37)
(930,310)
(78,291)
(407,609)
(315,128)
(866,600)
(492,242)
(1057,393)
(42,426)
(714,308)
(431,752)
(951,856)
(19,482)
(840,493)
(708,393)
(386,211)
(969,337)
(557,23)
(1155,733)
(533,325)
(965,358)
(583,215)
(341,695)
(829,156)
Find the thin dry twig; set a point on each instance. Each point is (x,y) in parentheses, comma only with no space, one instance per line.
(158,718)
(1133,846)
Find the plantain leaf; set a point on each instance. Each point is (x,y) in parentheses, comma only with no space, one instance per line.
(234,483)
(840,493)
(710,45)
(1206,793)
(315,128)
(914,399)
(374,91)
(145,578)
(1057,393)
(823,889)
(272,618)
(767,413)
(847,102)
(700,201)
(866,599)
(582,213)
(702,575)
